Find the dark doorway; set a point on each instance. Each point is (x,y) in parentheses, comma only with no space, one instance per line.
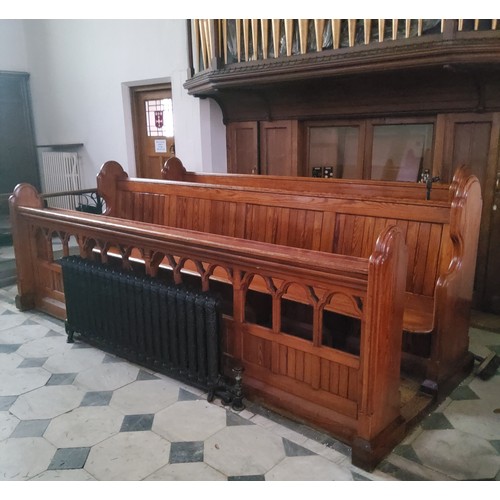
(18,155)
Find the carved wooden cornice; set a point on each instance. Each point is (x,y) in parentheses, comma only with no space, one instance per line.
(393,56)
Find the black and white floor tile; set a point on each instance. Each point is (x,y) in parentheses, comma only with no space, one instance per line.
(70,412)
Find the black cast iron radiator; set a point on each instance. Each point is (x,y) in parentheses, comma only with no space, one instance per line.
(169,328)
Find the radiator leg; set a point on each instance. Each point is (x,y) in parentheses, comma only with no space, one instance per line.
(229,395)
(69,332)
(220,390)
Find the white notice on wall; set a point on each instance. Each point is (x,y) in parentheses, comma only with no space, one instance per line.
(160,145)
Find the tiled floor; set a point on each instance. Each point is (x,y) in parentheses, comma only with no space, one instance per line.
(71,412)
(7,264)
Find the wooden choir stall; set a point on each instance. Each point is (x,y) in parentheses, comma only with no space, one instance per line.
(346,303)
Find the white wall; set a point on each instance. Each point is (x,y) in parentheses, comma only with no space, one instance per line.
(12,46)
(200,135)
(213,137)
(81,71)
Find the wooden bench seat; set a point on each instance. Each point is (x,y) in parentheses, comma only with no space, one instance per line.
(317,286)
(355,397)
(420,310)
(342,217)
(419,313)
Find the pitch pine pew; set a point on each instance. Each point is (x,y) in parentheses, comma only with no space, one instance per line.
(355,397)
(343,217)
(174,170)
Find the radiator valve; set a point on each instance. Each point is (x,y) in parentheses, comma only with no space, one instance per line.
(237,404)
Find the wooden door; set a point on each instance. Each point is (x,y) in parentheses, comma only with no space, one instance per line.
(279,146)
(473,139)
(18,156)
(491,293)
(153,129)
(243,148)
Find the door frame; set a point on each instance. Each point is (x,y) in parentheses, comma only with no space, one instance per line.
(31,174)
(135,91)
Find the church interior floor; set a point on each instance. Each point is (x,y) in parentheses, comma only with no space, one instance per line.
(70,412)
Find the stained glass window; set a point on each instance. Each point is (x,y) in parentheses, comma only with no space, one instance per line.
(159,118)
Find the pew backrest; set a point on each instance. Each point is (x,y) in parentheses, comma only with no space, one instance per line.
(442,249)
(174,170)
(346,224)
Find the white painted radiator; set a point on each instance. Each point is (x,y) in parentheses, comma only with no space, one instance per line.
(60,172)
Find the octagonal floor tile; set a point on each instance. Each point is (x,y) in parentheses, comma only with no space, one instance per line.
(487,389)
(457,454)
(107,377)
(479,339)
(198,471)
(23,458)
(476,416)
(20,380)
(189,421)
(8,423)
(11,322)
(74,360)
(64,475)
(83,427)
(128,456)
(52,323)
(44,347)
(145,396)
(47,402)
(182,385)
(309,468)
(23,333)
(10,361)
(243,450)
